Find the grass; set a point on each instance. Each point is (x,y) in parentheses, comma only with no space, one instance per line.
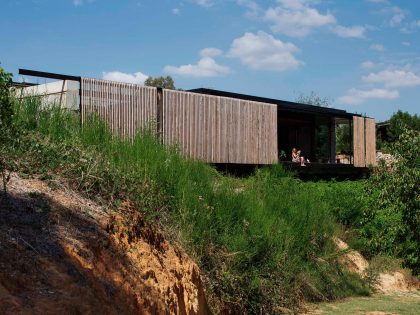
(263,242)
(405,303)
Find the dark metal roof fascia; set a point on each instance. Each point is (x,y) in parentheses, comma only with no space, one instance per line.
(282,105)
(49,75)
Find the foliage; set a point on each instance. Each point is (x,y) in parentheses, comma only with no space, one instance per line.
(390,224)
(399,121)
(322,142)
(6,110)
(162,82)
(263,242)
(6,115)
(313,99)
(344,140)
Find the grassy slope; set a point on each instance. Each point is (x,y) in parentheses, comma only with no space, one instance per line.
(403,303)
(263,242)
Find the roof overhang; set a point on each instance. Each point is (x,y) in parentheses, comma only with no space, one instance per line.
(283,106)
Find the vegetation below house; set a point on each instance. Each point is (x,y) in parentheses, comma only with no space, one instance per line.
(264,243)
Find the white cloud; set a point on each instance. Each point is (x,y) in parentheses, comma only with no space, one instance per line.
(377,47)
(253,9)
(262,51)
(176,11)
(397,18)
(135,78)
(416,23)
(396,14)
(297,18)
(210,52)
(78,3)
(356,97)
(379,1)
(367,65)
(406,43)
(393,78)
(204,3)
(205,67)
(353,32)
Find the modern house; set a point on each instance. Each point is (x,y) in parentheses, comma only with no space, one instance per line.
(216,126)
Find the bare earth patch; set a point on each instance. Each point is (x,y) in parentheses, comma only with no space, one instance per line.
(62,254)
(398,292)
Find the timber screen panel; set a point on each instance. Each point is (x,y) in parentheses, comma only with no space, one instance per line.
(370,138)
(126,108)
(220,129)
(359,141)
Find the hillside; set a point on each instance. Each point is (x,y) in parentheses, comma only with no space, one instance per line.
(64,254)
(107,219)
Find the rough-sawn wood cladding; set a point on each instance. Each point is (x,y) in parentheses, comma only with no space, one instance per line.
(370,139)
(364,141)
(126,108)
(220,129)
(209,128)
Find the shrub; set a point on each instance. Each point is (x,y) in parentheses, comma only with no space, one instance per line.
(391,220)
(6,111)
(6,114)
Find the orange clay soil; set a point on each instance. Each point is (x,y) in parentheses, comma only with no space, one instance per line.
(63,254)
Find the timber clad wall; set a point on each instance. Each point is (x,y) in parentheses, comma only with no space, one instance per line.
(370,138)
(364,141)
(126,108)
(209,128)
(359,141)
(220,129)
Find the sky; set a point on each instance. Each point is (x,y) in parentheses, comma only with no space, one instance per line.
(363,55)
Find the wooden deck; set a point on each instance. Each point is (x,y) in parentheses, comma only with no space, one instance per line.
(324,170)
(312,171)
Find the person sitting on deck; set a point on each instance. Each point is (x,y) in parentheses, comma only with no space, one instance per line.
(297,158)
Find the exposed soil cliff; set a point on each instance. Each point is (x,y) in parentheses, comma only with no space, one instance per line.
(396,281)
(63,254)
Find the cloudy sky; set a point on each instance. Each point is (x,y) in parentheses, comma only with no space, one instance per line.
(364,55)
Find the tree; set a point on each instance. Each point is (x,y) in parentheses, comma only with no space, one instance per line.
(313,99)
(399,121)
(6,109)
(6,115)
(343,138)
(162,82)
(391,221)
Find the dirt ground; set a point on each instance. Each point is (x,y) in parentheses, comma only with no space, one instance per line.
(63,254)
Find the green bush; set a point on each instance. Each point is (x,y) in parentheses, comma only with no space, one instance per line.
(391,220)
(6,115)
(400,121)
(6,110)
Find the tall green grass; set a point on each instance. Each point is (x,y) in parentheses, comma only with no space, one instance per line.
(263,242)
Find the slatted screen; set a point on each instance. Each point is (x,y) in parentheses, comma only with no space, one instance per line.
(370,138)
(127,108)
(220,129)
(359,141)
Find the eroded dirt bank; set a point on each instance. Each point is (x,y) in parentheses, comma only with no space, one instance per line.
(63,254)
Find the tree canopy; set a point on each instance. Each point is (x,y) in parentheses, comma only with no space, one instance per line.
(401,120)
(313,99)
(162,82)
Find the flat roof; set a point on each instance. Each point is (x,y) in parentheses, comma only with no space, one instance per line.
(281,105)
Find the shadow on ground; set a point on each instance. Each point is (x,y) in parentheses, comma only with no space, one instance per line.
(55,260)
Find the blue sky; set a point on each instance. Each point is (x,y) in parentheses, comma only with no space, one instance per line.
(363,55)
